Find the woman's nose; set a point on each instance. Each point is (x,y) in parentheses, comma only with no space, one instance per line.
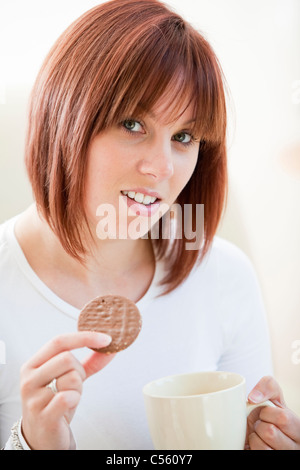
(157,161)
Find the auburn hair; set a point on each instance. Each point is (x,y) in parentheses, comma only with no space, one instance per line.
(119,57)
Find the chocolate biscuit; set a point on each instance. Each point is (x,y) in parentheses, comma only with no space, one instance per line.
(114,315)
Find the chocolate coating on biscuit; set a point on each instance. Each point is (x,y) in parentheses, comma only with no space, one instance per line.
(114,315)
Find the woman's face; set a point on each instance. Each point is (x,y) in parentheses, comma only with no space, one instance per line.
(136,170)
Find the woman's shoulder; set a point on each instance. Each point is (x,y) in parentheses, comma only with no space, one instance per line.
(229,254)
(4,226)
(228,263)
(234,269)
(6,236)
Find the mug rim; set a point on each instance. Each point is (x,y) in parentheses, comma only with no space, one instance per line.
(216,372)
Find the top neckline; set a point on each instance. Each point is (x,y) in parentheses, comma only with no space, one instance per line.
(153,290)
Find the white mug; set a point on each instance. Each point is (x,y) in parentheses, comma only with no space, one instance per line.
(201,410)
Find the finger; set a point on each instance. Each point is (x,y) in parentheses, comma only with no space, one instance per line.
(95,362)
(67,342)
(256,443)
(60,405)
(253,417)
(272,436)
(70,381)
(267,389)
(56,366)
(251,420)
(284,419)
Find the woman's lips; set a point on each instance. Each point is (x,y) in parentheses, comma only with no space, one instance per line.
(140,209)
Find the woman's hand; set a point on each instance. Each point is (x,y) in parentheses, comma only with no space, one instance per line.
(46,416)
(271,428)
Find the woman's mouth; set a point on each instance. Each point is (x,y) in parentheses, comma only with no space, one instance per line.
(140,197)
(140,203)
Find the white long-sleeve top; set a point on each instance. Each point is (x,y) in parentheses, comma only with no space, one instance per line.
(215,320)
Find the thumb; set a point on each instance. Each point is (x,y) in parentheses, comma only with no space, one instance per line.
(267,389)
(95,362)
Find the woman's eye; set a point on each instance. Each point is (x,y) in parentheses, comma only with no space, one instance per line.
(132,125)
(183,137)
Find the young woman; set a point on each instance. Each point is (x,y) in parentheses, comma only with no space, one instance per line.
(127,120)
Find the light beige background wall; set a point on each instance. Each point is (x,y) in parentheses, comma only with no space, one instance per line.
(258,44)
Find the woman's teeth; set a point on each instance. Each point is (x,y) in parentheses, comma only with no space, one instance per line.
(139,197)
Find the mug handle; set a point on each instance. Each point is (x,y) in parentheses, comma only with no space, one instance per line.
(252,406)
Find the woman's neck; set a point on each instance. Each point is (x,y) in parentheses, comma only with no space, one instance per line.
(123,267)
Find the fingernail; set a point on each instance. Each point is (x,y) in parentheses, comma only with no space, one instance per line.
(256,396)
(256,424)
(104,339)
